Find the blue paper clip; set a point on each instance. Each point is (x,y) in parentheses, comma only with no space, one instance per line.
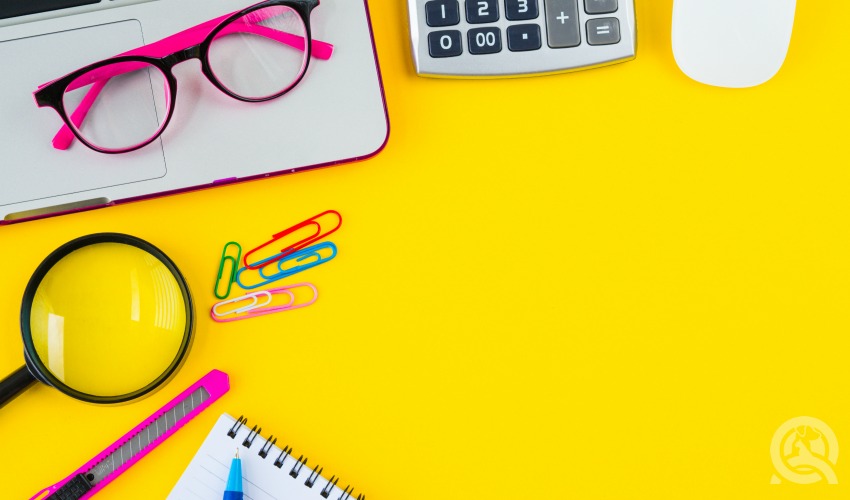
(285,267)
(234,267)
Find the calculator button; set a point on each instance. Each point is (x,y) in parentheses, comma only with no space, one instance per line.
(562,26)
(521,10)
(603,31)
(445,43)
(600,6)
(482,11)
(522,37)
(442,13)
(485,41)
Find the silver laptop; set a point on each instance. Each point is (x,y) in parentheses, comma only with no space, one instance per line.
(336,114)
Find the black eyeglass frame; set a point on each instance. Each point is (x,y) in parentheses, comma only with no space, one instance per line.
(51,94)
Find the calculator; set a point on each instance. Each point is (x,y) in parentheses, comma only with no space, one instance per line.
(503,38)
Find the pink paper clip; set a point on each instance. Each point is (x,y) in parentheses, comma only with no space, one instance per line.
(316,236)
(256,308)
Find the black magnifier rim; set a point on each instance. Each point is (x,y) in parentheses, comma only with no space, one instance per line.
(44,374)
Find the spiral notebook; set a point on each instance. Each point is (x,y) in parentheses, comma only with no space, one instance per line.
(268,472)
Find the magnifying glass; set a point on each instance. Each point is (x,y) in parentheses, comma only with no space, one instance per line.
(106,318)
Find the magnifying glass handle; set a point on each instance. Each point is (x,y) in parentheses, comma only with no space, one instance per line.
(19,380)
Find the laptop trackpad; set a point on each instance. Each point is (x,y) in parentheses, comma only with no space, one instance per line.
(37,169)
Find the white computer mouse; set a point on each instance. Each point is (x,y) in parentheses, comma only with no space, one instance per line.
(732,43)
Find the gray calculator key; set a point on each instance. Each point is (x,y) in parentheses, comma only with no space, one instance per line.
(446,43)
(521,10)
(562,25)
(603,31)
(482,11)
(600,6)
(523,37)
(442,13)
(484,40)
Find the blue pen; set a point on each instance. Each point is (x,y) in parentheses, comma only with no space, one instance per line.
(233,490)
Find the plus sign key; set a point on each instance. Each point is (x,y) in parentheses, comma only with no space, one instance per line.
(562,25)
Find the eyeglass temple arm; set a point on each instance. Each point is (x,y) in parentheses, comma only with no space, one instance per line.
(170,45)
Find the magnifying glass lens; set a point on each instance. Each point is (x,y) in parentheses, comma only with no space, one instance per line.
(108,319)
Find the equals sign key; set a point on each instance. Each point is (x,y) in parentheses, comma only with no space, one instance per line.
(603,31)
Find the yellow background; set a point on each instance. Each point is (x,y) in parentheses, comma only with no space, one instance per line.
(615,283)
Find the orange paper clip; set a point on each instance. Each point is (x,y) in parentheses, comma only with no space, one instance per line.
(317,234)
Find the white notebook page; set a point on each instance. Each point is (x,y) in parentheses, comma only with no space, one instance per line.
(206,475)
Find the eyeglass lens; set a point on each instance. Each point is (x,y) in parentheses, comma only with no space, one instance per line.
(118,106)
(122,105)
(260,54)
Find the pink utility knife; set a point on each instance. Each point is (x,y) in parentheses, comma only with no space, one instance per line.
(111,462)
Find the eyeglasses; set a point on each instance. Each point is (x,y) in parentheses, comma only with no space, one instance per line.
(124,103)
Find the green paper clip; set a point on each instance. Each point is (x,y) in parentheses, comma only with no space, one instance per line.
(234,266)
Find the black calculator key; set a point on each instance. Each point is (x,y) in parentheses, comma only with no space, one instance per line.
(522,37)
(442,13)
(484,40)
(482,11)
(446,43)
(521,10)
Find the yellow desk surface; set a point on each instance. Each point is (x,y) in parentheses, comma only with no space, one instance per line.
(615,283)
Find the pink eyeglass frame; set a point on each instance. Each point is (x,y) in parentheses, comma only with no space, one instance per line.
(192,43)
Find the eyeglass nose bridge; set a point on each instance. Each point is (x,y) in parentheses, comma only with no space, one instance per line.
(193,52)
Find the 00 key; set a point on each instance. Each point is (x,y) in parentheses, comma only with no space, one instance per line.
(484,40)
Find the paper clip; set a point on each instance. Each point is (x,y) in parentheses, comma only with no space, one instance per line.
(316,236)
(285,267)
(234,267)
(254,297)
(255,309)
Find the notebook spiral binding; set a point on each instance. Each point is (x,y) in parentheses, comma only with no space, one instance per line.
(296,470)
